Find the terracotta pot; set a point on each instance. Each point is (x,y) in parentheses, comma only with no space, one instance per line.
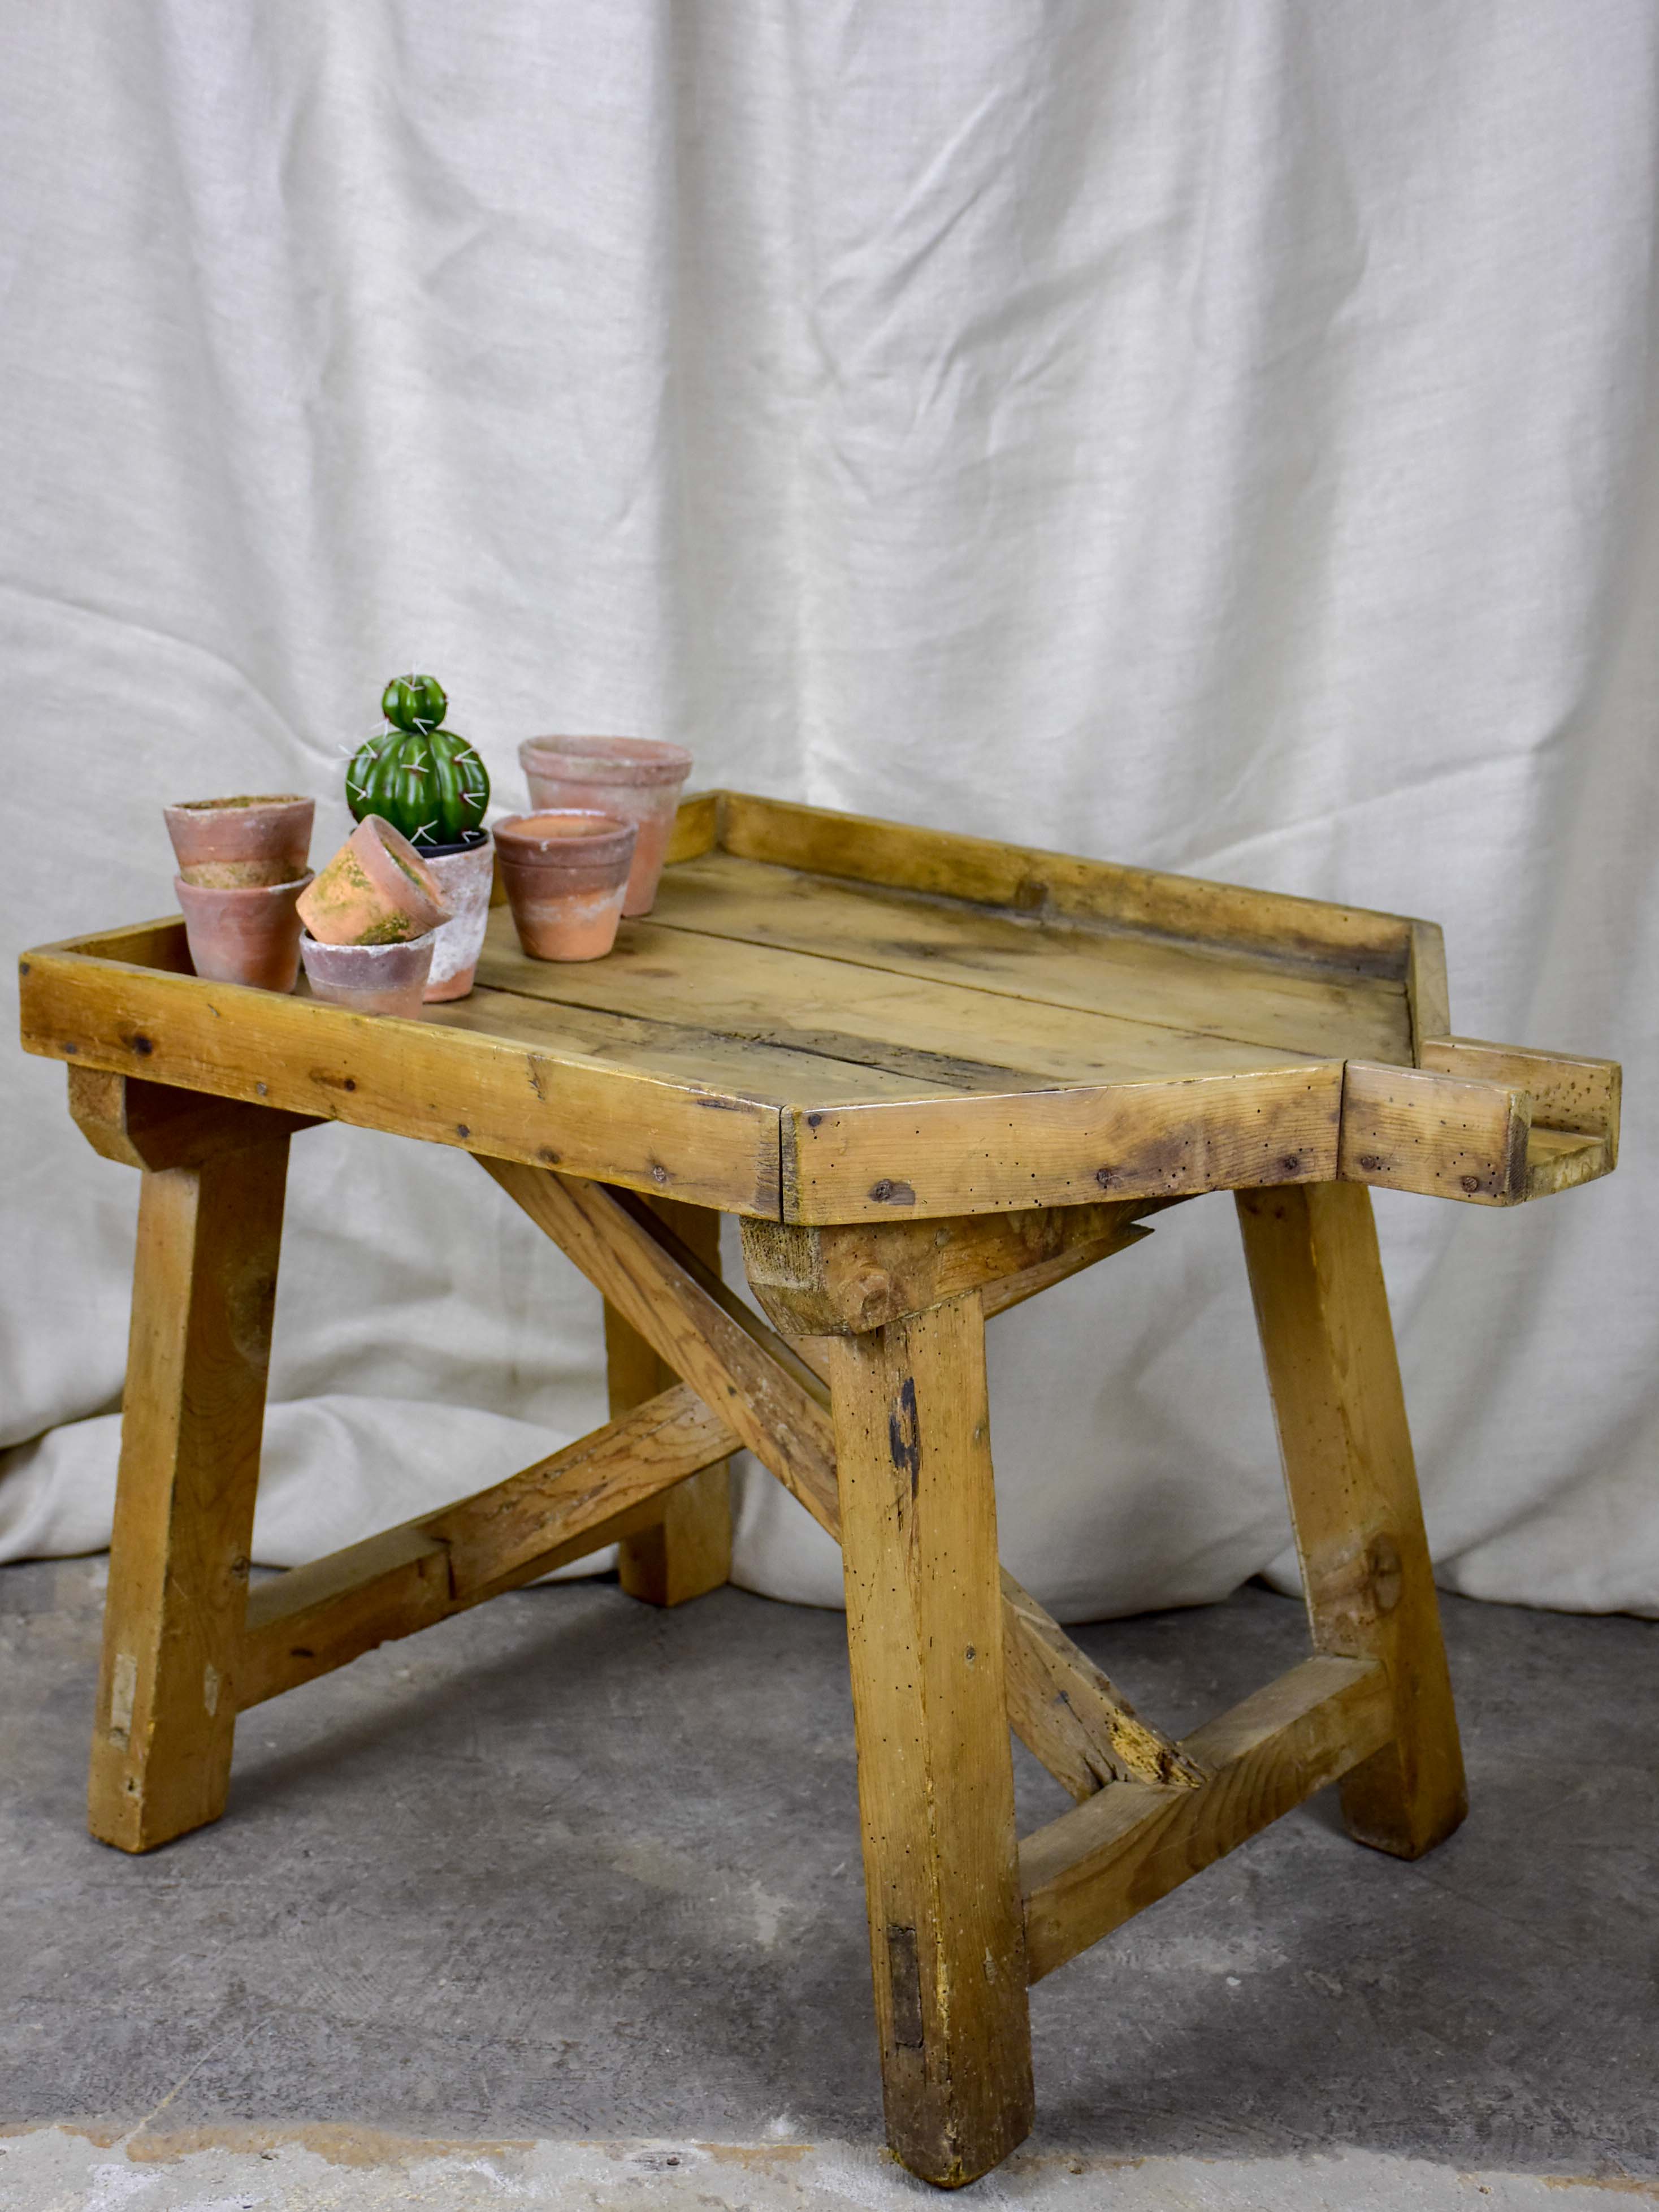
(377,889)
(244,933)
(233,843)
(635,779)
(465,874)
(371,979)
(566,873)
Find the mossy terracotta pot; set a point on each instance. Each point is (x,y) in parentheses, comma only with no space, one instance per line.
(377,889)
(245,932)
(371,979)
(637,779)
(465,874)
(566,873)
(227,844)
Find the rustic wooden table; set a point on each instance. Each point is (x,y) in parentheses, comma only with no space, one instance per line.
(934,1075)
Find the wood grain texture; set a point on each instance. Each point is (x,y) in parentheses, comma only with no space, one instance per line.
(1089,967)
(1427,995)
(836,1281)
(1566,1091)
(1060,1705)
(688,1551)
(148,1125)
(936,1787)
(205,1282)
(595,1492)
(946,1032)
(1441,1135)
(1322,1312)
(415,1078)
(1096,1866)
(1061,1148)
(1032,882)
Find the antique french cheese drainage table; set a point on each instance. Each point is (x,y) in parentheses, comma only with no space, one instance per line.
(934,1075)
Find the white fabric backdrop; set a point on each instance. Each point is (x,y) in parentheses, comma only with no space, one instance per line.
(1214,437)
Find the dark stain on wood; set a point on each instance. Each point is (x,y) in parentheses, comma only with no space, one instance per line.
(904,1434)
(889,1193)
(904,1979)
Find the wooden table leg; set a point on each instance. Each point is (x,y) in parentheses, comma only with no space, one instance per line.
(1323,1311)
(205,1284)
(689,1551)
(936,1791)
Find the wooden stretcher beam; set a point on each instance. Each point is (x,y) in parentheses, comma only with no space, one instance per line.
(1060,1705)
(1117,1853)
(593,1493)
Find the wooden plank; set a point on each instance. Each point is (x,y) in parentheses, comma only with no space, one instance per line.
(1443,1136)
(865,850)
(1426,993)
(836,1281)
(936,1786)
(1561,1159)
(413,1078)
(1060,1147)
(688,1551)
(1565,1091)
(777,1404)
(1106,1860)
(1322,1312)
(147,1125)
(1048,1673)
(955,1034)
(697,827)
(1090,967)
(204,1283)
(745,1067)
(1013,1290)
(593,1492)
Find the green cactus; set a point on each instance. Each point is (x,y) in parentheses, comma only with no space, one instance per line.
(420,778)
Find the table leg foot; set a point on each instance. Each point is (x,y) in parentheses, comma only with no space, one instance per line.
(1323,1311)
(924,1628)
(688,1551)
(203,1286)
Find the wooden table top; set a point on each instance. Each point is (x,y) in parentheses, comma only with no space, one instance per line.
(829,1018)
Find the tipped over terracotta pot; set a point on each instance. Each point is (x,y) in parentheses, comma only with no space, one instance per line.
(244,932)
(234,844)
(636,780)
(566,873)
(377,889)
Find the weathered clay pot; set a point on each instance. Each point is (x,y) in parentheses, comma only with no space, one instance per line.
(233,843)
(465,874)
(566,873)
(244,933)
(370,979)
(637,779)
(377,889)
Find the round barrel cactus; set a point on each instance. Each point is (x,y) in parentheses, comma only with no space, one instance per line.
(420,778)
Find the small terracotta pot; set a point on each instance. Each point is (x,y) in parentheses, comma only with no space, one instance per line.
(228,844)
(635,779)
(370,979)
(244,933)
(465,875)
(377,889)
(566,873)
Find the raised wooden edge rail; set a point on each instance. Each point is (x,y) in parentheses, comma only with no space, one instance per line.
(1472,1122)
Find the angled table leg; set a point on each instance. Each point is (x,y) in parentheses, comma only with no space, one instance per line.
(204,1287)
(688,1551)
(936,1794)
(1323,1311)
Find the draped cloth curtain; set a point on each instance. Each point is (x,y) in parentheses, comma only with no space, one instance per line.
(1219,437)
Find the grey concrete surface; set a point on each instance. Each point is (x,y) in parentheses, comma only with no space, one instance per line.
(571,1887)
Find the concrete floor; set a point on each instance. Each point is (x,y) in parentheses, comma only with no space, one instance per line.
(562,1901)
